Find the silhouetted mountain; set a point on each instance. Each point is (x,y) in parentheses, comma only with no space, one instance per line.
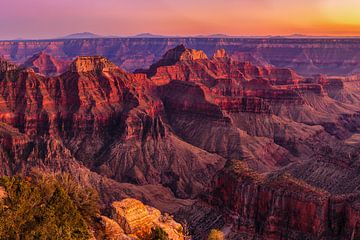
(148,35)
(81,35)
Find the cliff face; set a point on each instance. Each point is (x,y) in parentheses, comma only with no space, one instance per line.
(216,97)
(6,66)
(282,92)
(92,64)
(103,114)
(46,64)
(307,56)
(137,219)
(281,206)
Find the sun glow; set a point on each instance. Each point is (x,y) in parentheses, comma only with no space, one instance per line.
(343,12)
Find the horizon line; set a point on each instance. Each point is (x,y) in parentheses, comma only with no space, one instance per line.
(151,35)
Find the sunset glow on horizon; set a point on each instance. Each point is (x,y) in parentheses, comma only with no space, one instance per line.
(44,18)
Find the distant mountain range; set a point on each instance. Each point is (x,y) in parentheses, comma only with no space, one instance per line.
(85,35)
(218,35)
(148,35)
(90,35)
(82,35)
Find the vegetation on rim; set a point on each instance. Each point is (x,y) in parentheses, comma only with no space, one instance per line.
(46,207)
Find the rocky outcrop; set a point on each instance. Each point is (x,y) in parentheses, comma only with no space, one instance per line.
(137,219)
(181,53)
(6,65)
(179,96)
(3,194)
(112,230)
(220,53)
(45,64)
(91,64)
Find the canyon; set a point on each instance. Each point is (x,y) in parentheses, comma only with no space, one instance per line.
(256,137)
(332,56)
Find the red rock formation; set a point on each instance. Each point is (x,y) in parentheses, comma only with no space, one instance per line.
(46,64)
(220,53)
(282,91)
(137,219)
(94,105)
(6,66)
(281,206)
(242,84)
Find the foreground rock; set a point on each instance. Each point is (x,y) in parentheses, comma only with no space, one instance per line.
(3,194)
(112,230)
(137,219)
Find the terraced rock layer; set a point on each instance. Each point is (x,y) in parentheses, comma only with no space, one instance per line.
(307,56)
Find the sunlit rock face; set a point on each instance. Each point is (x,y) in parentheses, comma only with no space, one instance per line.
(137,219)
(282,205)
(3,194)
(220,53)
(91,64)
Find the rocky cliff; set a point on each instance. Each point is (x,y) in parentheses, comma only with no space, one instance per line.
(137,219)
(46,65)
(280,206)
(95,105)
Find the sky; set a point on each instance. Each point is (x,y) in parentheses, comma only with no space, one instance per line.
(36,19)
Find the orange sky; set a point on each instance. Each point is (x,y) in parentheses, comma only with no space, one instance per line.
(44,18)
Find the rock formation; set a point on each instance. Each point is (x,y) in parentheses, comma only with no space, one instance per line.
(137,219)
(3,193)
(91,64)
(6,65)
(112,229)
(220,53)
(279,205)
(45,64)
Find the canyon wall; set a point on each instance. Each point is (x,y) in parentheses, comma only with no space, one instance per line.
(307,56)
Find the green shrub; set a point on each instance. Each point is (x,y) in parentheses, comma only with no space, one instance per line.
(86,199)
(158,233)
(39,210)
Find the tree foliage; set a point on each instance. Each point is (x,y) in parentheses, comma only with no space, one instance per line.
(158,233)
(46,207)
